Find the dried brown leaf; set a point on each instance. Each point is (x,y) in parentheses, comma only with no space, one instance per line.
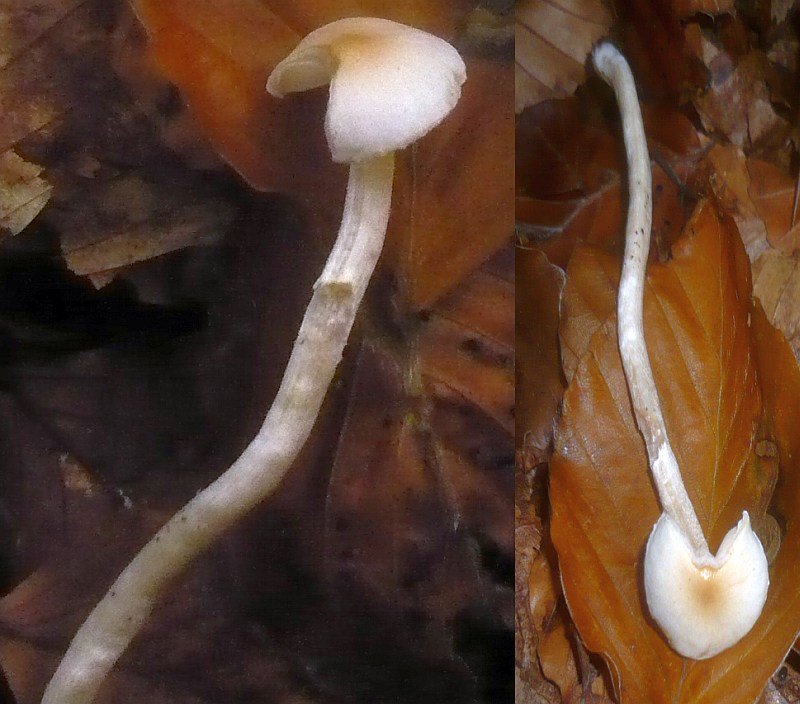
(737,101)
(588,299)
(66,110)
(133,219)
(540,692)
(552,40)
(776,284)
(23,192)
(730,182)
(773,193)
(712,371)
(421,486)
(568,179)
(539,370)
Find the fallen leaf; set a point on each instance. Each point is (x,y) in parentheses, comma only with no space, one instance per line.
(602,498)
(527,542)
(23,192)
(418,503)
(552,649)
(776,284)
(538,382)
(550,652)
(586,304)
(539,693)
(569,184)
(730,181)
(77,133)
(773,194)
(652,37)
(737,101)
(553,38)
(453,194)
(133,218)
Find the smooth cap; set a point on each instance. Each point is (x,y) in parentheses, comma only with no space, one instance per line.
(704,604)
(389,83)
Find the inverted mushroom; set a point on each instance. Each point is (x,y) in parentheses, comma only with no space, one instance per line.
(390,84)
(703,603)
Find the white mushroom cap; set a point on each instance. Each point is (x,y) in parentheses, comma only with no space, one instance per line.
(390,83)
(704,606)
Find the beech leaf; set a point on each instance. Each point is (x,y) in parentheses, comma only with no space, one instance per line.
(776,284)
(552,40)
(731,185)
(718,366)
(23,192)
(538,370)
(737,100)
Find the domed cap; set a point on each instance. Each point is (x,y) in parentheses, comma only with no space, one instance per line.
(389,83)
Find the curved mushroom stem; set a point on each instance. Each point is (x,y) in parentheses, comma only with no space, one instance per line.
(317,351)
(703,603)
(635,362)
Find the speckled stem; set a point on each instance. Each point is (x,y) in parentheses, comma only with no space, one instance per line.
(108,630)
(613,67)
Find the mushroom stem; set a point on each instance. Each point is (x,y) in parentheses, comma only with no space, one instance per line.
(703,603)
(635,361)
(317,351)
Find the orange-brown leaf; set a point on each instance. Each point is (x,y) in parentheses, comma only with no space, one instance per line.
(452,205)
(454,190)
(709,364)
(588,301)
(731,184)
(538,370)
(220,54)
(773,192)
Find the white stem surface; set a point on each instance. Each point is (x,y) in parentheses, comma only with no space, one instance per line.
(259,470)
(675,501)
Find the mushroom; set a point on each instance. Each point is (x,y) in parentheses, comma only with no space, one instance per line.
(390,84)
(703,603)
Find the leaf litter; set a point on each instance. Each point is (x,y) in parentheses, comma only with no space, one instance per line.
(147,301)
(745,157)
